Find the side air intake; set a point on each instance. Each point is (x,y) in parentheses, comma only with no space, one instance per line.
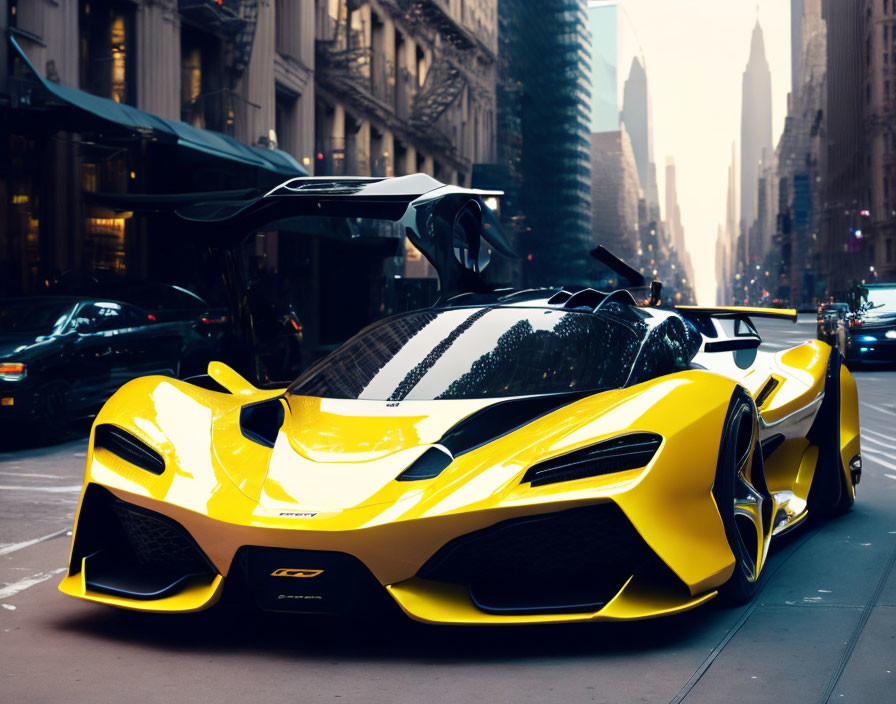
(616,455)
(129,447)
(260,422)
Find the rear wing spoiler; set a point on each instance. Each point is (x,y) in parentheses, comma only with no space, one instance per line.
(735,311)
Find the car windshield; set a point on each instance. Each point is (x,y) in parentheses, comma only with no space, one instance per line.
(467,353)
(883,299)
(32,316)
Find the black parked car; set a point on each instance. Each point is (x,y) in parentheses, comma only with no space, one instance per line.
(61,357)
(167,302)
(872,330)
(833,319)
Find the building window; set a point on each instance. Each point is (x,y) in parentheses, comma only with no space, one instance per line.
(284,121)
(204,101)
(106,41)
(286,19)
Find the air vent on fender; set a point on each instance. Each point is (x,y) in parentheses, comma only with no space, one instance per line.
(428,465)
(128,447)
(616,455)
(502,418)
(260,422)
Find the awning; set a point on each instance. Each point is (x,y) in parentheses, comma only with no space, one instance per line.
(172,131)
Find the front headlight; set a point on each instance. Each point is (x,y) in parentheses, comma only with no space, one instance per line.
(13,371)
(891,334)
(617,455)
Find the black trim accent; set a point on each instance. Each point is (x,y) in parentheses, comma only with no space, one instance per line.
(766,391)
(616,265)
(616,455)
(732,345)
(502,418)
(260,422)
(427,466)
(129,447)
(769,445)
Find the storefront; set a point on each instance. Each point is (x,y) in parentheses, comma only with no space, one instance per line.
(66,152)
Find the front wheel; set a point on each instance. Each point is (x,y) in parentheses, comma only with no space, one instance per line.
(741,497)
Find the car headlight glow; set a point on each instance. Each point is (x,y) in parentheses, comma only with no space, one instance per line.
(891,334)
(13,371)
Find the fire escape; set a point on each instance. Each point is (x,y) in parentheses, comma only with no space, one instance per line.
(350,70)
(234,21)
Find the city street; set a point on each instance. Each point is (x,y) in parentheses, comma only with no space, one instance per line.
(823,627)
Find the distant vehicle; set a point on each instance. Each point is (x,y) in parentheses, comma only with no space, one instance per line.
(872,330)
(832,322)
(61,357)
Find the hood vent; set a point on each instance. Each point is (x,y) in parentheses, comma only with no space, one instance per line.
(429,465)
(502,418)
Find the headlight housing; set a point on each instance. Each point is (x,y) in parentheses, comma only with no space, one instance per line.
(617,455)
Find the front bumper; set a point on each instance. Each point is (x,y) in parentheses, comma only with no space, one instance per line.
(543,568)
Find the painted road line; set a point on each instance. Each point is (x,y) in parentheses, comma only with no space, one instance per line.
(875,441)
(23,584)
(50,489)
(32,474)
(13,547)
(891,476)
(880,435)
(872,458)
(879,409)
(879,453)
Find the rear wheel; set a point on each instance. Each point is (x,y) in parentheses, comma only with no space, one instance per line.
(742,499)
(830,494)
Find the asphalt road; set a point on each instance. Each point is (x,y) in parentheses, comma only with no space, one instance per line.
(823,627)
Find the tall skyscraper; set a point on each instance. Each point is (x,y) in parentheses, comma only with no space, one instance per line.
(726,237)
(636,118)
(544,107)
(604,21)
(755,133)
(796,43)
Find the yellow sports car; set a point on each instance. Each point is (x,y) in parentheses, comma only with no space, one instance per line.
(504,457)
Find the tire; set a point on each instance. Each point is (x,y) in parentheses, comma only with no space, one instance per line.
(54,407)
(742,498)
(829,494)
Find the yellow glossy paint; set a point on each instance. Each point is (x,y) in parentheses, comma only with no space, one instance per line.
(850,443)
(328,483)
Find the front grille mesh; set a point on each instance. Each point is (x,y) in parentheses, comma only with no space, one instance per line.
(159,542)
(548,562)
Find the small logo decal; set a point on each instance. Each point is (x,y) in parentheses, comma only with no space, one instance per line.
(295,572)
(298,514)
(305,597)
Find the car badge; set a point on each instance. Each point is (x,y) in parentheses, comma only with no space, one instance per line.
(298,514)
(295,572)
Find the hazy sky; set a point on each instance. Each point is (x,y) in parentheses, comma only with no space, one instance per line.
(695,53)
